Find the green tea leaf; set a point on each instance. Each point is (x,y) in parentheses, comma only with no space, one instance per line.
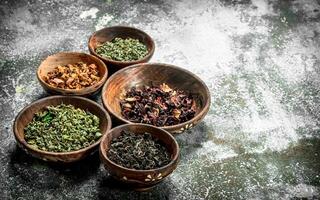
(62,128)
(119,49)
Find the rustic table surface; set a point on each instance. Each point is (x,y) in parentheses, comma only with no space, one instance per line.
(261,61)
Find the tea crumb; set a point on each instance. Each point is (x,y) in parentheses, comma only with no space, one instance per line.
(62,128)
(157,105)
(119,49)
(73,76)
(138,151)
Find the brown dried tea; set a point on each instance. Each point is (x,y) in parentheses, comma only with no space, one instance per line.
(159,106)
(138,151)
(73,76)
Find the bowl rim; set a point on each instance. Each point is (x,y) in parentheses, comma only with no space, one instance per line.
(83,91)
(201,113)
(149,54)
(173,160)
(29,147)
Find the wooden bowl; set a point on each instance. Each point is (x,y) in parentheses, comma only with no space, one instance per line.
(65,58)
(143,74)
(140,179)
(26,115)
(109,33)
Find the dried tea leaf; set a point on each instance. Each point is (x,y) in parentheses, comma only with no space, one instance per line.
(130,99)
(176,113)
(164,87)
(127,105)
(159,106)
(119,49)
(62,128)
(73,76)
(138,151)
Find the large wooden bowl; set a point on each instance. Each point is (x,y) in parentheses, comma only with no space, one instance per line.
(143,74)
(109,33)
(64,58)
(140,179)
(26,115)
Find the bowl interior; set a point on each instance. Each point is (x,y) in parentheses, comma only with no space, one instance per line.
(27,114)
(64,58)
(109,33)
(164,137)
(145,74)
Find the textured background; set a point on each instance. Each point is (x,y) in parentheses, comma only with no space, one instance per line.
(260,59)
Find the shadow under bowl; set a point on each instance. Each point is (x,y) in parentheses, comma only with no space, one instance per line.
(26,115)
(156,73)
(140,180)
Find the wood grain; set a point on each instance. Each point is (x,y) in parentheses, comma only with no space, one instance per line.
(64,58)
(109,33)
(26,115)
(140,179)
(156,73)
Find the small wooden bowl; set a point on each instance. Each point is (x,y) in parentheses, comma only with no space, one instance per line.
(143,74)
(64,58)
(26,115)
(109,33)
(140,179)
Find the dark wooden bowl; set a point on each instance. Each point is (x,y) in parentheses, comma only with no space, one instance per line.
(140,179)
(64,58)
(143,74)
(26,115)
(109,33)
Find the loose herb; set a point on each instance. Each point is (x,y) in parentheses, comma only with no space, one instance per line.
(62,128)
(138,151)
(73,76)
(159,106)
(123,49)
